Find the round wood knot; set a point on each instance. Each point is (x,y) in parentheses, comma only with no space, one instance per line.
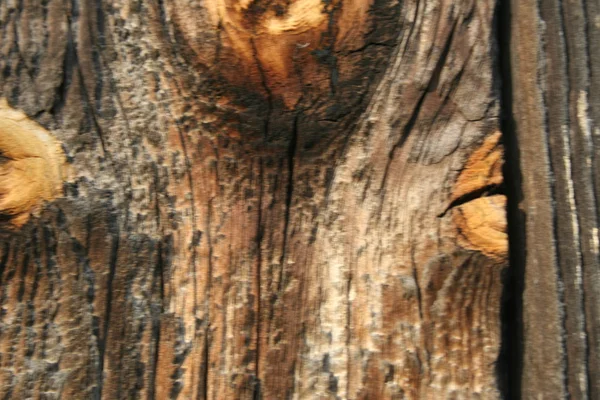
(477,203)
(481,225)
(285,49)
(31,166)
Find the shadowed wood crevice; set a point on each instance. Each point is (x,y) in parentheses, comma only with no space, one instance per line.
(510,362)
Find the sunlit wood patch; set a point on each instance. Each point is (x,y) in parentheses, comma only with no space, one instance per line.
(271,40)
(481,225)
(479,213)
(31,166)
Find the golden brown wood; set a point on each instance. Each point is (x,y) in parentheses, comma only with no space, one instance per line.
(554,67)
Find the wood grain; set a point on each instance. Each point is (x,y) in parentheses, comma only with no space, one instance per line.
(267,201)
(554,72)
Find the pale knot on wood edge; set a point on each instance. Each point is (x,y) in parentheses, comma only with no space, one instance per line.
(481,225)
(31,167)
(477,205)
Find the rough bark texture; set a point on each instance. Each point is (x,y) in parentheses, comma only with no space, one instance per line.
(263,199)
(555,74)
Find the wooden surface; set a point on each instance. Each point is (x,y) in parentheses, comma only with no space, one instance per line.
(555,70)
(264,200)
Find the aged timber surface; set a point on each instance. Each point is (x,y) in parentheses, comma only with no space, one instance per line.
(555,68)
(260,199)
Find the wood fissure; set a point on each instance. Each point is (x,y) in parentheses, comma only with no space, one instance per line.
(291,160)
(102,341)
(510,361)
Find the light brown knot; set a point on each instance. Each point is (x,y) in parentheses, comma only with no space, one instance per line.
(31,166)
(478,210)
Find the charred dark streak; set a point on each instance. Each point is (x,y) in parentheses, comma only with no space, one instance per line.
(203,386)
(389,44)
(4,260)
(157,191)
(298,71)
(62,90)
(256,390)
(162,13)
(219,44)
(333,77)
(263,80)
(100,23)
(332,58)
(114,252)
(291,160)
(216,166)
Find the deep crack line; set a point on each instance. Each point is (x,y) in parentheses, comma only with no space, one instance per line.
(263,80)
(510,359)
(291,159)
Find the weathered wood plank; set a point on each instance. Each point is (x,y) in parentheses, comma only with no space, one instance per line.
(554,64)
